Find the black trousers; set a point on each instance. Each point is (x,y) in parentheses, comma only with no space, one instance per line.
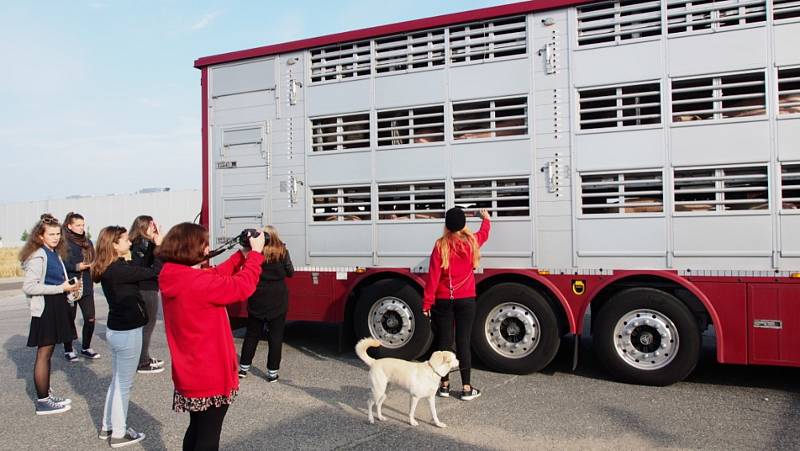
(87,310)
(461,313)
(275,328)
(204,429)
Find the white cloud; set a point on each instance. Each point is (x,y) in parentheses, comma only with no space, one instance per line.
(205,21)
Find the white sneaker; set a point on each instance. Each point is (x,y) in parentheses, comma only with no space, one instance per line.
(71,356)
(129,438)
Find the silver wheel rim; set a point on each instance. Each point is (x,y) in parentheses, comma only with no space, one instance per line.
(391,321)
(646,339)
(512,330)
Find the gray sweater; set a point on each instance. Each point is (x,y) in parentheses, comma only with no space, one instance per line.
(33,285)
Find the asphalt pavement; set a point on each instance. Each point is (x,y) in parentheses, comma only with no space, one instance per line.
(320,403)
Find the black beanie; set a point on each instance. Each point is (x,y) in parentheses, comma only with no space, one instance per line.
(454,219)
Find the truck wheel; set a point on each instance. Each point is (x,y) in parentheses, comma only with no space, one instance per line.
(390,310)
(647,336)
(515,329)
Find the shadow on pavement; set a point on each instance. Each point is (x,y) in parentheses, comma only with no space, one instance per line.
(85,383)
(314,431)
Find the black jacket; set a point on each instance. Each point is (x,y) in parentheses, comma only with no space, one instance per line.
(75,256)
(271,298)
(142,255)
(120,282)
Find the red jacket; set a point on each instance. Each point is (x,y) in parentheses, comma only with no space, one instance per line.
(461,271)
(198,330)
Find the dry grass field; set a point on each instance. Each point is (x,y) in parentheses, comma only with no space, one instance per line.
(9,266)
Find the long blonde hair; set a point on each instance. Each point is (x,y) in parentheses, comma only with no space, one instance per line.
(105,254)
(275,249)
(450,240)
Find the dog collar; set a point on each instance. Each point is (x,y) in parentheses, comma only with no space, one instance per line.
(434,369)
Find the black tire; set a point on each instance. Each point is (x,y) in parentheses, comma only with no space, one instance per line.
(532,309)
(391,327)
(663,305)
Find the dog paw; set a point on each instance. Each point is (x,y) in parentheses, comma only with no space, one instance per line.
(441,425)
(382,418)
(414,423)
(371,421)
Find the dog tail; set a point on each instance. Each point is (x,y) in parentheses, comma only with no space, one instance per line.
(363,345)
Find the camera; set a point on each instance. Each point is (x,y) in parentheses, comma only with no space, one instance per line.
(244,238)
(73,281)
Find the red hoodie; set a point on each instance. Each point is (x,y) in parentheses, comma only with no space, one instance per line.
(438,286)
(198,330)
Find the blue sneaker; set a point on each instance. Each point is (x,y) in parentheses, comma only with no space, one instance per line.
(47,406)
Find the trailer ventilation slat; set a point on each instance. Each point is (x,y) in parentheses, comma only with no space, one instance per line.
(785,9)
(713,15)
(351,203)
(490,118)
(341,61)
(488,40)
(619,106)
(502,197)
(409,52)
(721,189)
(719,97)
(412,126)
(421,200)
(340,132)
(789,90)
(622,193)
(790,186)
(620,21)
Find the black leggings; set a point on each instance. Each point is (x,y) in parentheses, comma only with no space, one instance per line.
(275,328)
(41,371)
(87,310)
(204,429)
(462,311)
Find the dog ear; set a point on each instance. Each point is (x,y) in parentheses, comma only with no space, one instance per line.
(437,359)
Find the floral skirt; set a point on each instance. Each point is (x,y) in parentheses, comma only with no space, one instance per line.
(182,403)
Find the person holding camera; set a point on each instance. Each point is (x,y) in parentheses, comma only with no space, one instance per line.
(450,292)
(144,232)
(268,306)
(46,287)
(204,366)
(120,280)
(79,260)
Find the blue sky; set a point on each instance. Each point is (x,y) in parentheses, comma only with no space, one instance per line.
(102,97)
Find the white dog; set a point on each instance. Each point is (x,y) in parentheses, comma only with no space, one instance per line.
(420,379)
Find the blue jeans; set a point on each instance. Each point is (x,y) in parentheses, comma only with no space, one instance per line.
(125,348)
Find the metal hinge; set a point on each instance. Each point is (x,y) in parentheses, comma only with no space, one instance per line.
(550,62)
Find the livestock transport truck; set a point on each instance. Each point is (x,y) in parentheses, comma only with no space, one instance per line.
(640,160)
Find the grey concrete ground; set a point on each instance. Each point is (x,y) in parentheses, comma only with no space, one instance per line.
(320,403)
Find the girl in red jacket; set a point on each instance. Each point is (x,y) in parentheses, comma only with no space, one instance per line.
(450,291)
(204,366)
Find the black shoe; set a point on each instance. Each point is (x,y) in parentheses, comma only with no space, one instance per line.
(443,392)
(149,368)
(272,377)
(89,353)
(242,374)
(470,394)
(156,363)
(71,356)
